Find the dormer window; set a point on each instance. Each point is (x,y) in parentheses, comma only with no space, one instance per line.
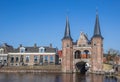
(41,49)
(1,50)
(22,50)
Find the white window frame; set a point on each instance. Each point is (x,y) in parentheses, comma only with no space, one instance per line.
(51,58)
(27,56)
(22,50)
(41,49)
(36,58)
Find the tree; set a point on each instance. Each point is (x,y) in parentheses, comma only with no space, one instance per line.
(113,52)
(112,55)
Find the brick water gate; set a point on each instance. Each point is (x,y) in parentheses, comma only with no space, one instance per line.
(83,50)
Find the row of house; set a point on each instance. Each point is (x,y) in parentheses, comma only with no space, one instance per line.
(22,56)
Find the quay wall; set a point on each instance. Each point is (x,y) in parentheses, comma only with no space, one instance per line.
(34,69)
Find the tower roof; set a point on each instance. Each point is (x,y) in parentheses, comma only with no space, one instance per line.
(67,34)
(97,31)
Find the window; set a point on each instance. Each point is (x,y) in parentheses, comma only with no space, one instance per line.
(94,43)
(22,50)
(21,58)
(41,59)
(67,45)
(79,45)
(27,59)
(51,59)
(35,58)
(1,51)
(46,58)
(12,59)
(41,49)
(17,59)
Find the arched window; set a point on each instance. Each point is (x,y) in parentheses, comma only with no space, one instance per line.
(77,54)
(86,54)
(12,59)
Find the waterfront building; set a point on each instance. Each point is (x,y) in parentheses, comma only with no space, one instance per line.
(75,55)
(4,50)
(28,56)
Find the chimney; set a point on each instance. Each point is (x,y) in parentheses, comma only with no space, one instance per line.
(50,45)
(20,45)
(35,45)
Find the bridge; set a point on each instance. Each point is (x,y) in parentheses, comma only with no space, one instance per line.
(81,65)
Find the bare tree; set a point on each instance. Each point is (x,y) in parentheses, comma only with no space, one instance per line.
(112,55)
(113,52)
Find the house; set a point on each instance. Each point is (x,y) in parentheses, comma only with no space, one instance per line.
(4,49)
(24,56)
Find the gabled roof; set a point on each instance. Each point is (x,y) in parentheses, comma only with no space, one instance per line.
(83,38)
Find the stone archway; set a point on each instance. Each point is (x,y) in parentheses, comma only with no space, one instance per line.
(80,67)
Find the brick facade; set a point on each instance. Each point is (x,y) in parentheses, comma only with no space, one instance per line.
(83,50)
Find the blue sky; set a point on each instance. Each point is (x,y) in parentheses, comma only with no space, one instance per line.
(43,21)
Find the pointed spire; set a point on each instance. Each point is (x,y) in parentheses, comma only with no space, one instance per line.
(67,34)
(97,32)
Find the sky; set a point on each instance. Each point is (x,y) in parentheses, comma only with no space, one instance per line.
(43,21)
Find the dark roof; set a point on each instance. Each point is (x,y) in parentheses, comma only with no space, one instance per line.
(7,48)
(74,43)
(36,49)
(86,37)
(97,31)
(89,42)
(67,34)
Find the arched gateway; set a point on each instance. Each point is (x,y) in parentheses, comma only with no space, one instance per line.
(77,55)
(81,57)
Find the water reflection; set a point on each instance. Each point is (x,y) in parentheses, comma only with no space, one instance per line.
(47,77)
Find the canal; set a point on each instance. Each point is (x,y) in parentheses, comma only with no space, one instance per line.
(52,77)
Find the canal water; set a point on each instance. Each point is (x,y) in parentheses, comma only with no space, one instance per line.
(49,77)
